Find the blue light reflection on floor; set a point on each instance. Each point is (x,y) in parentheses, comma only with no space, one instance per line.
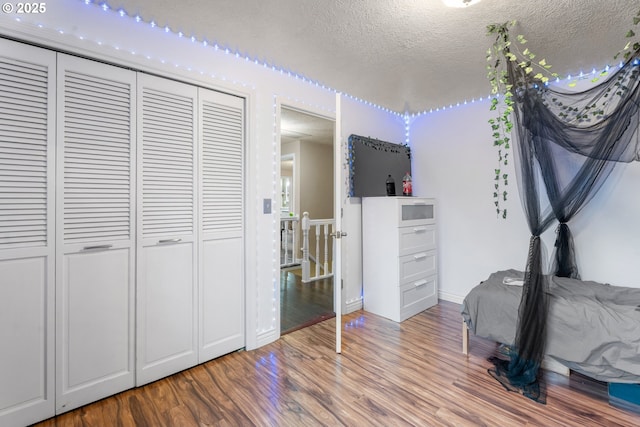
(359,322)
(271,363)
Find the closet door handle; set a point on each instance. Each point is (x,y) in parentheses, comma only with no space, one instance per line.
(169,241)
(97,247)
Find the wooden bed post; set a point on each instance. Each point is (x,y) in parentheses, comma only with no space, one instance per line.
(465,338)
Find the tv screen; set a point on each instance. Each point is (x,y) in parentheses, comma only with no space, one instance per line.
(371,161)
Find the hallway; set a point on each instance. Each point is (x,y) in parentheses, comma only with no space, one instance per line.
(303,304)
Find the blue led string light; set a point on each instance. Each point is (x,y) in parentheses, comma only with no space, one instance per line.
(138,19)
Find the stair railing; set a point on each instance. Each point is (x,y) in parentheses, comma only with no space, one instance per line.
(288,241)
(322,229)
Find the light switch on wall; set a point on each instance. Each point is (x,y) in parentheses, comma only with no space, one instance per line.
(266,206)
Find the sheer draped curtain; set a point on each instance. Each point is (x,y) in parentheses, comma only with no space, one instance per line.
(567,144)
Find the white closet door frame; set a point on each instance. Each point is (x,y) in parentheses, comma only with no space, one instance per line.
(95,231)
(27,225)
(167,229)
(221,217)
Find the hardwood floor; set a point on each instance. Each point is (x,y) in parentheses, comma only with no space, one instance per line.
(388,374)
(303,304)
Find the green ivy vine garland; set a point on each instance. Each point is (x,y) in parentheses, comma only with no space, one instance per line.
(536,71)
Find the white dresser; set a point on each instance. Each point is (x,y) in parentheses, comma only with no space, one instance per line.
(399,256)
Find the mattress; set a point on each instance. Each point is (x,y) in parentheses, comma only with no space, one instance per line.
(592,328)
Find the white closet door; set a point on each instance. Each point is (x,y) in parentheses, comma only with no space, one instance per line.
(95,232)
(221,120)
(27,136)
(167,251)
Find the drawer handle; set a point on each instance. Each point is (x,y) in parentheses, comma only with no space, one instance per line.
(169,241)
(97,247)
(419,229)
(419,256)
(420,283)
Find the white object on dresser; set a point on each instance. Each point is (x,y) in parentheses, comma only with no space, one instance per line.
(399,256)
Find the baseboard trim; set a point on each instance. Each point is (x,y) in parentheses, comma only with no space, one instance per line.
(352,306)
(266,337)
(450,297)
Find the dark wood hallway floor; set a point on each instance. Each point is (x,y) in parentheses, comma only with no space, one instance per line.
(303,304)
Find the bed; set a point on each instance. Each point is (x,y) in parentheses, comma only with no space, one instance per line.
(593,328)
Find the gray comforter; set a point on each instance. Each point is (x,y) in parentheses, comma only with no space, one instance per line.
(593,328)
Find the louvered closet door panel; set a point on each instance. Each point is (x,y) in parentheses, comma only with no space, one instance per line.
(222,212)
(95,232)
(27,184)
(222,124)
(167,248)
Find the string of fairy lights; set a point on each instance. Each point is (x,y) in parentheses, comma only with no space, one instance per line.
(408,118)
(283,71)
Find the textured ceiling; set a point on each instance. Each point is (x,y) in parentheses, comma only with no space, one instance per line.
(405,55)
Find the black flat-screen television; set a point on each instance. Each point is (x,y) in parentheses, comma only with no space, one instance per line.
(371,161)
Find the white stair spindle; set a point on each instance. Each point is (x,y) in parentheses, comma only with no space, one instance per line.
(317,250)
(326,248)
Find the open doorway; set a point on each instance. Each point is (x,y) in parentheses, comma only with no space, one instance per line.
(307,162)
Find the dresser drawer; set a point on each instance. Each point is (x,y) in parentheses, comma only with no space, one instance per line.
(417,296)
(418,238)
(416,266)
(415,211)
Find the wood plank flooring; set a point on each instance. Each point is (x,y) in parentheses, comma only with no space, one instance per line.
(389,374)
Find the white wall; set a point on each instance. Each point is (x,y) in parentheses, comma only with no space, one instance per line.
(607,231)
(293,148)
(316,180)
(453,161)
(73,26)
